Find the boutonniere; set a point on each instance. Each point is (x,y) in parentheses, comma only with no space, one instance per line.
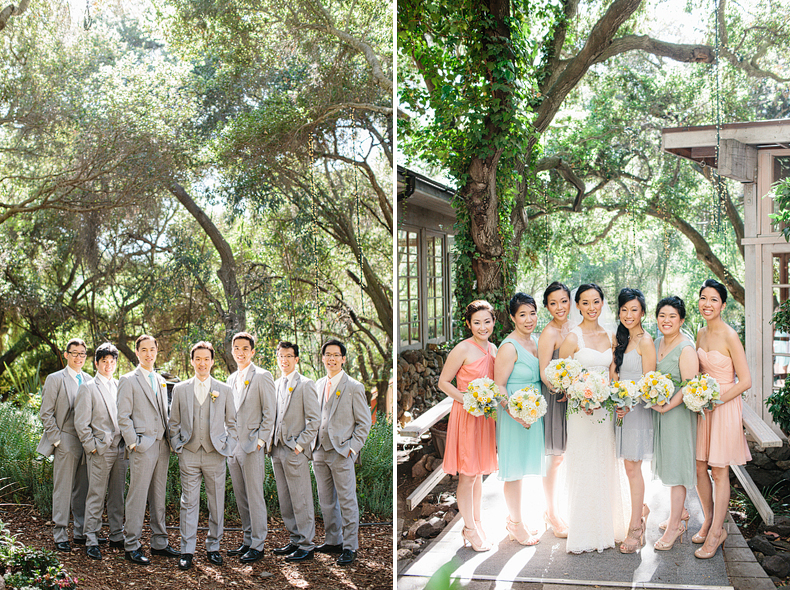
(247,382)
(164,384)
(290,389)
(214,395)
(337,393)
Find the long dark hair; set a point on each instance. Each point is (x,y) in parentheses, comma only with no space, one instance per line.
(623,335)
(555,286)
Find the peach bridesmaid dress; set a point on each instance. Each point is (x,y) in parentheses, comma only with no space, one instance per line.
(720,438)
(471,440)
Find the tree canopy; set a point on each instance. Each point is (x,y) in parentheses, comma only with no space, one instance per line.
(547,116)
(192,169)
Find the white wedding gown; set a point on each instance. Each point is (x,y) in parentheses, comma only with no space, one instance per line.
(597,487)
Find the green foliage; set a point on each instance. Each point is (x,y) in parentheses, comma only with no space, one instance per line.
(26,391)
(781,196)
(27,567)
(374,474)
(20,432)
(778,404)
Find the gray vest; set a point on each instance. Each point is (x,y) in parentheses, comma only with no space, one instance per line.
(201,435)
(323,430)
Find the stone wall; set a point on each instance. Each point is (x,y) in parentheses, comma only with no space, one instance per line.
(769,466)
(418,375)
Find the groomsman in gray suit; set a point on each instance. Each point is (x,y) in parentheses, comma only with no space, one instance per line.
(345,423)
(96,421)
(70,475)
(142,418)
(203,434)
(296,426)
(254,398)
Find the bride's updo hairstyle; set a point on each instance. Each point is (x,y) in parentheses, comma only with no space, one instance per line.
(555,286)
(475,306)
(714,284)
(587,287)
(672,301)
(518,300)
(623,335)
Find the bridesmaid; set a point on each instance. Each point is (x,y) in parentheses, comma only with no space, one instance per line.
(674,425)
(470,450)
(557,300)
(634,355)
(720,438)
(519,446)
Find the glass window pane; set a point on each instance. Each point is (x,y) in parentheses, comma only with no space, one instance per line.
(431,330)
(440,327)
(439,306)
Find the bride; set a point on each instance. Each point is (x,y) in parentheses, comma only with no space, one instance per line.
(597,510)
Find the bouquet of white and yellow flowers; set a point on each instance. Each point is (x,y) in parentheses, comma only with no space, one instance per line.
(527,404)
(588,392)
(701,393)
(655,389)
(623,394)
(481,397)
(561,373)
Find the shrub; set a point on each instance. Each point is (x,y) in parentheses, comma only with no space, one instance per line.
(37,569)
(374,473)
(20,431)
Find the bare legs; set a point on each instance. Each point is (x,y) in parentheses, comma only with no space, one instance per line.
(715,499)
(470,498)
(550,491)
(674,524)
(633,469)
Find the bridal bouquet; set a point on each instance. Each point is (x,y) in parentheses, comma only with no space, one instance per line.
(481,397)
(701,393)
(623,394)
(588,392)
(655,389)
(527,404)
(561,373)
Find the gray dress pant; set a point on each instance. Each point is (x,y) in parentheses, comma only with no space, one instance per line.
(106,475)
(247,472)
(147,484)
(337,495)
(295,493)
(69,489)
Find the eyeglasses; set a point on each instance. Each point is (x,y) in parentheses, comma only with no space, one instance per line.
(333,356)
(285,356)
(80,355)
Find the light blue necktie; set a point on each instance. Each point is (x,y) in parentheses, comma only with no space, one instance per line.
(79,379)
(153,386)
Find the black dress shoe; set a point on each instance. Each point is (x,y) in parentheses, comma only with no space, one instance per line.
(240,550)
(137,556)
(93,552)
(214,557)
(168,551)
(116,544)
(83,540)
(64,546)
(347,557)
(300,555)
(77,541)
(327,548)
(287,550)
(102,540)
(185,561)
(251,556)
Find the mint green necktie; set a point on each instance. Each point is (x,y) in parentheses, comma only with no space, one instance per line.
(79,379)
(153,386)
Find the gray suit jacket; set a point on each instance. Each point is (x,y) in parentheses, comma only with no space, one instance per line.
(139,417)
(255,416)
(302,415)
(57,413)
(92,417)
(222,416)
(349,414)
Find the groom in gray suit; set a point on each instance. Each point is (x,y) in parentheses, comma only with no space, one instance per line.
(203,434)
(96,421)
(345,423)
(298,416)
(253,396)
(70,476)
(142,418)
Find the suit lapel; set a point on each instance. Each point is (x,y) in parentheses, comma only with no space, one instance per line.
(149,393)
(105,393)
(190,404)
(289,394)
(336,393)
(250,375)
(71,387)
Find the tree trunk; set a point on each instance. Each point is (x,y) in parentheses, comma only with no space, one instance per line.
(234,316)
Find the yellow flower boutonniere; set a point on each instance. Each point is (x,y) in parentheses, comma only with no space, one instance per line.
(214,395)
(337,393)
(247,382)
(164,384)
(290,389)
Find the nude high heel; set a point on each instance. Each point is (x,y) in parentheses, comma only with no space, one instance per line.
(665,546)
(684,517)
(637,537)
(467,533)
(560,534)
(702,554)
(513,533)
(480,530)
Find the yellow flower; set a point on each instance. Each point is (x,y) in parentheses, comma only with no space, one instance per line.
(290,389)
(337,393)
(247,382)
(214,395)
